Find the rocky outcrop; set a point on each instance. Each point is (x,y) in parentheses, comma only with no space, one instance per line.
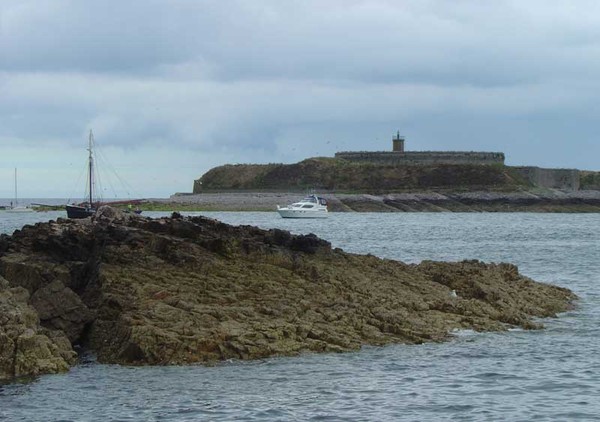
(183,290)
(26,348)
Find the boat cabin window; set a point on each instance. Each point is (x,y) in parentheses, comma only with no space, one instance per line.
(307,206)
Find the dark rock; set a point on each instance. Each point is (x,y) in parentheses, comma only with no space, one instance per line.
(192,289)
(59,308)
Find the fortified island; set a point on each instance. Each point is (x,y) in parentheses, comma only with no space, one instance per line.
(400,180)
(399,157)
(540,177)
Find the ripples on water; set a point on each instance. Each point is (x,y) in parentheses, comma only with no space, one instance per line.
(552,374)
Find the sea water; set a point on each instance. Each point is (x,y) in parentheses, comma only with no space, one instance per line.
(552,374)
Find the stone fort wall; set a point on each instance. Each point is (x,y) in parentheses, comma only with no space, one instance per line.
(422,157)
(564,179)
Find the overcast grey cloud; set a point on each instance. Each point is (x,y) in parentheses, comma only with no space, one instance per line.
(173,88)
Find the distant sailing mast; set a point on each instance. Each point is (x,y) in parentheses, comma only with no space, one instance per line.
(87,208)
(16,207)
(91,169)
(16,195)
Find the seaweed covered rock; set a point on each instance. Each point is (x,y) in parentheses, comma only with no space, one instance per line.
(178,290)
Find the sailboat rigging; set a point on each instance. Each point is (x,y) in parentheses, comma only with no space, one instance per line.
(16,207)
(88,207)
(91,203)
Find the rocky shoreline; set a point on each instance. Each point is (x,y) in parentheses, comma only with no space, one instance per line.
(522,201)
(184,290)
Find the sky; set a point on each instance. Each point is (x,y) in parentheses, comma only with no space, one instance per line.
(174,88)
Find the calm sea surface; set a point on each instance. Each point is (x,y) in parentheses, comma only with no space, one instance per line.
(547,375)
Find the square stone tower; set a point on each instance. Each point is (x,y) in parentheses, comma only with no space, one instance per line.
(398,143)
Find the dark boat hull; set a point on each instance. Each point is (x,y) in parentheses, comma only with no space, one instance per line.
(75,211)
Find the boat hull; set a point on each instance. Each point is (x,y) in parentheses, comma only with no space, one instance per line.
(296,213)
(19,209)
(75,211)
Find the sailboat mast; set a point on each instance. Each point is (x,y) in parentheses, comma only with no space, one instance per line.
(91,168)
(16,196)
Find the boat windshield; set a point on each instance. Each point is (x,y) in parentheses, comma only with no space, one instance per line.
(310,198)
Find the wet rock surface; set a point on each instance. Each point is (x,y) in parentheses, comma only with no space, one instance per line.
(177,290)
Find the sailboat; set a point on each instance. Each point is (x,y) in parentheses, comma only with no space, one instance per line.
(91,204)
(88,207)
(16,207)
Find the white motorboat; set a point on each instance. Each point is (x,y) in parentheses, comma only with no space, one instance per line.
(312,206)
